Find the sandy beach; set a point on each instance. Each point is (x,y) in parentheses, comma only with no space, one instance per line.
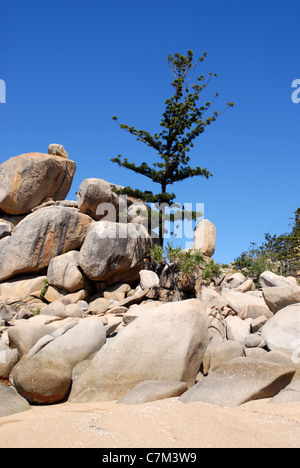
(162,424)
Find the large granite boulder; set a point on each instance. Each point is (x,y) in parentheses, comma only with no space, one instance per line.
(268,279)
(39,238)
(205,237)
(98,199)
(111,250)
(46,376)
(165,343)
(93,193)
(29,179)
(279,297)
(282,331)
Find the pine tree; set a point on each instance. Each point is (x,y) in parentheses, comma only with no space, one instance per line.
(183,120)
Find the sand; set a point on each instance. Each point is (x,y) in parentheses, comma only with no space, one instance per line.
(163,424)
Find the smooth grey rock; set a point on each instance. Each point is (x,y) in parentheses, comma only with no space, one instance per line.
(55,309)
(11,402)
(238,381)
(238,300)
(283,330)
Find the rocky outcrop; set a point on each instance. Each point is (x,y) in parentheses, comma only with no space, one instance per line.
(29,179)
(84,317)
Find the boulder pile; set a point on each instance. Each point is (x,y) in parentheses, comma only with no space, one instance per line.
(84,317)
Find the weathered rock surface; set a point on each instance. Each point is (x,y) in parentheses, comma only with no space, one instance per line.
(6,228)
(111,250)
(11,402)
(166,343)
(153,390)
(29,179)
(96,197)
(39,238)
(239,381)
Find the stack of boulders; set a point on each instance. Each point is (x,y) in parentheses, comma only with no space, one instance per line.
(82,317)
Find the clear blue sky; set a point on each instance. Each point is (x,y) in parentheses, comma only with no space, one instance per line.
(70,65)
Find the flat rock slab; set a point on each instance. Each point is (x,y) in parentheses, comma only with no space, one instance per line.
(153,390)
(239,381)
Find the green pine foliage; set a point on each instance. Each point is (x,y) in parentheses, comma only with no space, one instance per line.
(280,254)
(183,120)
(185,261)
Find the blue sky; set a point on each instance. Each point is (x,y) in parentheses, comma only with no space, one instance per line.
(70,65)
